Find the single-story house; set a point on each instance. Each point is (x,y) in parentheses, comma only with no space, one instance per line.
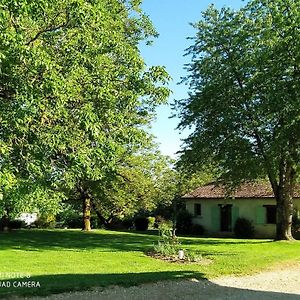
(217,213)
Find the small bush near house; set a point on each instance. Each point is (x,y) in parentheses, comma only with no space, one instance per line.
(197,229)
(141,223)
(243,228)
(184,222)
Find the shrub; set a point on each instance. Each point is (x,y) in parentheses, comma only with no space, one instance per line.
(141,223)
(184,222)
(243,228)
(158,220)
(45,221)
(4,221)
(197,229)
(296,226)
(73,221)
(168,245)
(127,223)
(151,222)
(16,224)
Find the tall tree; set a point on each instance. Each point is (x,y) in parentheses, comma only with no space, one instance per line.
(244,101)
(75,93)
(137,186)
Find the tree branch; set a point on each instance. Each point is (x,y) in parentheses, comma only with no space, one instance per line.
(255,130)
(50,29)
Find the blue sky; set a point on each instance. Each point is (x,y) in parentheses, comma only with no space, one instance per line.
(172,19)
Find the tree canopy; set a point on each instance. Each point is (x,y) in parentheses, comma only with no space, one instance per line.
(244,100)
(75,93)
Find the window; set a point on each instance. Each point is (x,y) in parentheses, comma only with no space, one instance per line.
(197,209)
(270,214)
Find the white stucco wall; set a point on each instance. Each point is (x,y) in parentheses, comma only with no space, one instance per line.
(247,208)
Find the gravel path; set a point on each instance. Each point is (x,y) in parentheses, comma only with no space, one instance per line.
(281,284)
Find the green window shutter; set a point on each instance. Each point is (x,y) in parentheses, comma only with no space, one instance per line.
(235,214)
(260,215)
(215,218)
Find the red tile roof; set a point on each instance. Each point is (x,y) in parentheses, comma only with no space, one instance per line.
(246,190)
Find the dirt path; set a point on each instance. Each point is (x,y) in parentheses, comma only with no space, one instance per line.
(282,284)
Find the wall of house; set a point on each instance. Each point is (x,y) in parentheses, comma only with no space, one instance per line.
(251,209)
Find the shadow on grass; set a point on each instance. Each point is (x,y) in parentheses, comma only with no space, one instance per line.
(52,284)
(101,240)
(221,241)
(192,289)
(33,240)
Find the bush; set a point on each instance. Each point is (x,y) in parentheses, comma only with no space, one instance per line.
(16,224)
(158,220)
(4,222)
(151,222)
(197,229)
(141,223)
(45,221)
(243,228)
(127,223)
(168,245)
(296,226)
(184,222)
(73,221)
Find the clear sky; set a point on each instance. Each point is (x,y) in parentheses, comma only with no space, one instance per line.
(172,19)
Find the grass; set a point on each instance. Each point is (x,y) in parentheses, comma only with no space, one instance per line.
(62,260)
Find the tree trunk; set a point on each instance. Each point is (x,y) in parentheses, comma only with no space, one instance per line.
(284,216)
(86,213)
(284,197)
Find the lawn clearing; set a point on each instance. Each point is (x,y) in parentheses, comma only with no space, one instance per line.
(62,260)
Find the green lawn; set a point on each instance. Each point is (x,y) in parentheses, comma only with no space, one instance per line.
(63,260)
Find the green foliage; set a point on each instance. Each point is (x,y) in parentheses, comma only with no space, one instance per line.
(151,221)
(45,221)
(76,96)
(16,224)
(168,244)
(138,185)
(244,96)
(72,221)
(243,228)
(5,223)
(184,222)
(141,223)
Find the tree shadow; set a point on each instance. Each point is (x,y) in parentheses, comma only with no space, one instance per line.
(107,241)
(223,241)
(53,284)
(37,240)
(194,287)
